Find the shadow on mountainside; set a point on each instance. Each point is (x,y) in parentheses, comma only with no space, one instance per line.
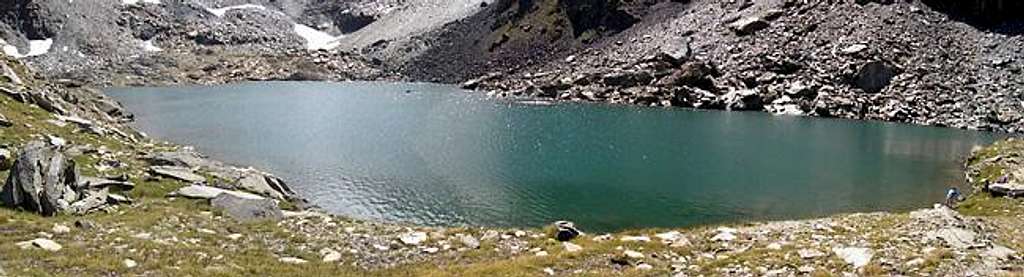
(998,16)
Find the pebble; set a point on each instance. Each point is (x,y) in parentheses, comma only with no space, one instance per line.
(129,263)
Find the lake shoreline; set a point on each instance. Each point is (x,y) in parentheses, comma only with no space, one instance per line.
(310,241)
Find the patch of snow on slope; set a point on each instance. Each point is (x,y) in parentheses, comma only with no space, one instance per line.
(35,48)
(219,12)
(136,2)
(148,46)
(315,39)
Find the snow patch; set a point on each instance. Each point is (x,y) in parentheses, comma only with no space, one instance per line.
(315,39)
(136,2)
(219,12)
(35,48)
(148,46)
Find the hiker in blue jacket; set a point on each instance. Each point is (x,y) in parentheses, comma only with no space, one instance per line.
(952,196)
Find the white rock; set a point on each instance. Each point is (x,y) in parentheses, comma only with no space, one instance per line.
(571,247)
(774,246)
(998,252)
(635,238)
(957,238)
(431,250)
(292,260)
(541,253)
(643,266)
(414,238)
(633,254)
(853,49)
(330,256)
(809,253)
(129,263)
(234,236)
(724,236)
(669,236)
(856,256)
(41,243)
(549,271)
(60,229)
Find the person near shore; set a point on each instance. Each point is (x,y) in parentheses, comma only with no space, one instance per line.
(952,196)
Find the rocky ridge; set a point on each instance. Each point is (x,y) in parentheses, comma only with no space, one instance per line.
(894,61)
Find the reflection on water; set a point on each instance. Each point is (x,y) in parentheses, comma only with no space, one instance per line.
(435,155)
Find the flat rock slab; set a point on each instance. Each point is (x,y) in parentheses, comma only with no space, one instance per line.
(98,183)
(207,192)
(41,243)
(1009,189)
(244,209)
(177,173)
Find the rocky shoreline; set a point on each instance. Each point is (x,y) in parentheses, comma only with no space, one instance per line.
(128,205)
(182,202)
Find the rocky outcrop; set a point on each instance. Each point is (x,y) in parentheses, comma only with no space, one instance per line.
(43,180)
(182,165)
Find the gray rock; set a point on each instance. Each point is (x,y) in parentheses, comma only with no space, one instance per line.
(1011,189)
(265,184)
(42,180)
(91,200)
(181,158)
(875,76)
(177,173)
(470,242)
(955,237)
(742,100)
(99,183)
(115,199)
(245,209)
(41,243)
(998,252)
(413,238)
(748,26)
(207,192)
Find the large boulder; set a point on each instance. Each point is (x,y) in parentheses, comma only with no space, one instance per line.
(693,74)
(42,180)
(245,209)
(875,76)
(566,231)
(265,184)
(743,100)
